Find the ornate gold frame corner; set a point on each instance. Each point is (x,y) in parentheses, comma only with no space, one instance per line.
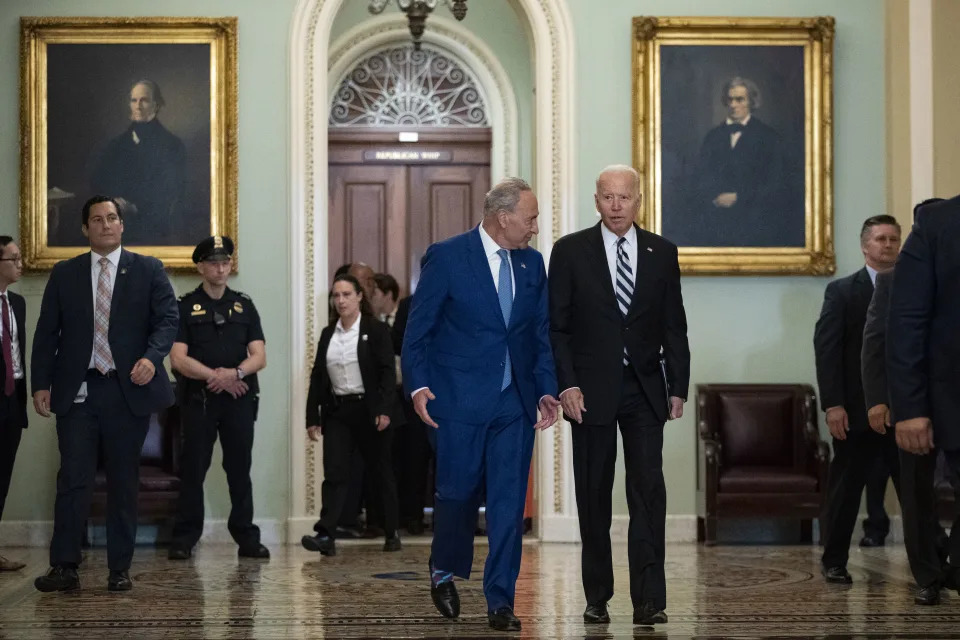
(37,32)
(816,36)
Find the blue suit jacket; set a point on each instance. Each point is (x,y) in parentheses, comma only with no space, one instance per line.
(456,338)
(143,324)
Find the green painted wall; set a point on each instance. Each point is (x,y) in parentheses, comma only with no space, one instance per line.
(263,197)
(746,329)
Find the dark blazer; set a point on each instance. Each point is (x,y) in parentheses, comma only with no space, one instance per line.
(923,345)
(375,355)
(588,333)
(19,307)
(837,342)
(456,338)
(873,361)
(400,324)
(143,324)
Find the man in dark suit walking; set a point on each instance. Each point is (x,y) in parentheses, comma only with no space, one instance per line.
(837,342)
(107,320)
(477,349)
(615,305)
(13,400)
(923,349)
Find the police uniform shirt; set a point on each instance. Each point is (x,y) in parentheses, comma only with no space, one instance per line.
(217,332)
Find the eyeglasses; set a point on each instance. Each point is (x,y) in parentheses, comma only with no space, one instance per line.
(16,259)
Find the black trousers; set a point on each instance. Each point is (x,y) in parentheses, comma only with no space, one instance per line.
(922,533)
(411,455)
(10,431)
(349,428)
(102,423)
(594,465)
(877,523)
(853,459)
(201,423)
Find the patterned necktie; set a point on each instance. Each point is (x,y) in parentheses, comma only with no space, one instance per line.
(624,285)
(102,358)
(7,350)
(505,294)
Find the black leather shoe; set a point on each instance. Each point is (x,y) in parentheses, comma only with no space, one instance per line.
(392,543)
(503,619)
(324,544)
(649,615)
(446,599)
(119,581)
(345,533)
(596,614)
(179,553)
(836,575)
(59,578)
(254,551)
(871,541)
(928,596)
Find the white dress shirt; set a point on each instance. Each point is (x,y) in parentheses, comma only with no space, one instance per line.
(343,366)
(114,258)
(490,248)
(14,339)
(872,273)
(735,136)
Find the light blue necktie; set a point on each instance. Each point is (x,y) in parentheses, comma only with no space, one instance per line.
(505,293)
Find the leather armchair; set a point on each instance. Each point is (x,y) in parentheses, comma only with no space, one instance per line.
(760,455)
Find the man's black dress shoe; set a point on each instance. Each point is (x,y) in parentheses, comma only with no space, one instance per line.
(928,596)
(836,575)
(446,599)
(503,619)
(324,544)
(348,532)
(649,615)
(119,581)
(179,553)
(871,541)
(254,551)
(58,578)
(392,543)
(596,614)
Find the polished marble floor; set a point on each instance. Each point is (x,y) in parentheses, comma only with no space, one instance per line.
(730,591)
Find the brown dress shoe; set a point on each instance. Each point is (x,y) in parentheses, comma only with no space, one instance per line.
(10,565)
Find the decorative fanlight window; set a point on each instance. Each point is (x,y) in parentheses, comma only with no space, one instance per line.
(402,86)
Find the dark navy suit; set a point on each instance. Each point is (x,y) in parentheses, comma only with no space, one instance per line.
(116,412)
(455,344)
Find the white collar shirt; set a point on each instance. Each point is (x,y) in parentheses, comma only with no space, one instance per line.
(735,136)
(873,274)
(343,365)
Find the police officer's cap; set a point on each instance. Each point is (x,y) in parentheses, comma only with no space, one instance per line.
(213,248)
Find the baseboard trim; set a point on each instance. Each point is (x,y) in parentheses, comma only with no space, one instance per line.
(37,533)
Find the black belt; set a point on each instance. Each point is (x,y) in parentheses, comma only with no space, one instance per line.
(350,397)
(95,373)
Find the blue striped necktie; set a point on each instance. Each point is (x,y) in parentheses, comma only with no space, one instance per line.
(505,294)
(624,285)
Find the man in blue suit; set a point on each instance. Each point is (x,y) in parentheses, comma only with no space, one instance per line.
(107,320)
(477,348)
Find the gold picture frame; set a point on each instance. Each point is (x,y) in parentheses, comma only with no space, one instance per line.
(173,158)
(687,75)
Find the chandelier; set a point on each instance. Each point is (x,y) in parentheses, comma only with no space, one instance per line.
(417,12)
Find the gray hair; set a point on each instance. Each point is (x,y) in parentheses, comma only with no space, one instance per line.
(753,91)
(155,92)
(504,196)
(620,168)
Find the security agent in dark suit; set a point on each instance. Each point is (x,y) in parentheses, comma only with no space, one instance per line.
(923,349)
(615,302)
(218,351)
(923,536)
(107,320)
(13,386)
(352,389)
(837,342)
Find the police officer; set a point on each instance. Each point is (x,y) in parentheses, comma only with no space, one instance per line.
(218,351)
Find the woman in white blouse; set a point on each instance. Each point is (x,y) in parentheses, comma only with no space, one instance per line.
(351,387)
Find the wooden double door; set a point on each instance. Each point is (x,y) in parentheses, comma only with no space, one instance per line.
(385,211)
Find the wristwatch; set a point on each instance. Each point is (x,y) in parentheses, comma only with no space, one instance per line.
(240,373)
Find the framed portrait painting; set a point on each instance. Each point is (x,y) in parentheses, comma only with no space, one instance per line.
(733,139)
(140,109)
